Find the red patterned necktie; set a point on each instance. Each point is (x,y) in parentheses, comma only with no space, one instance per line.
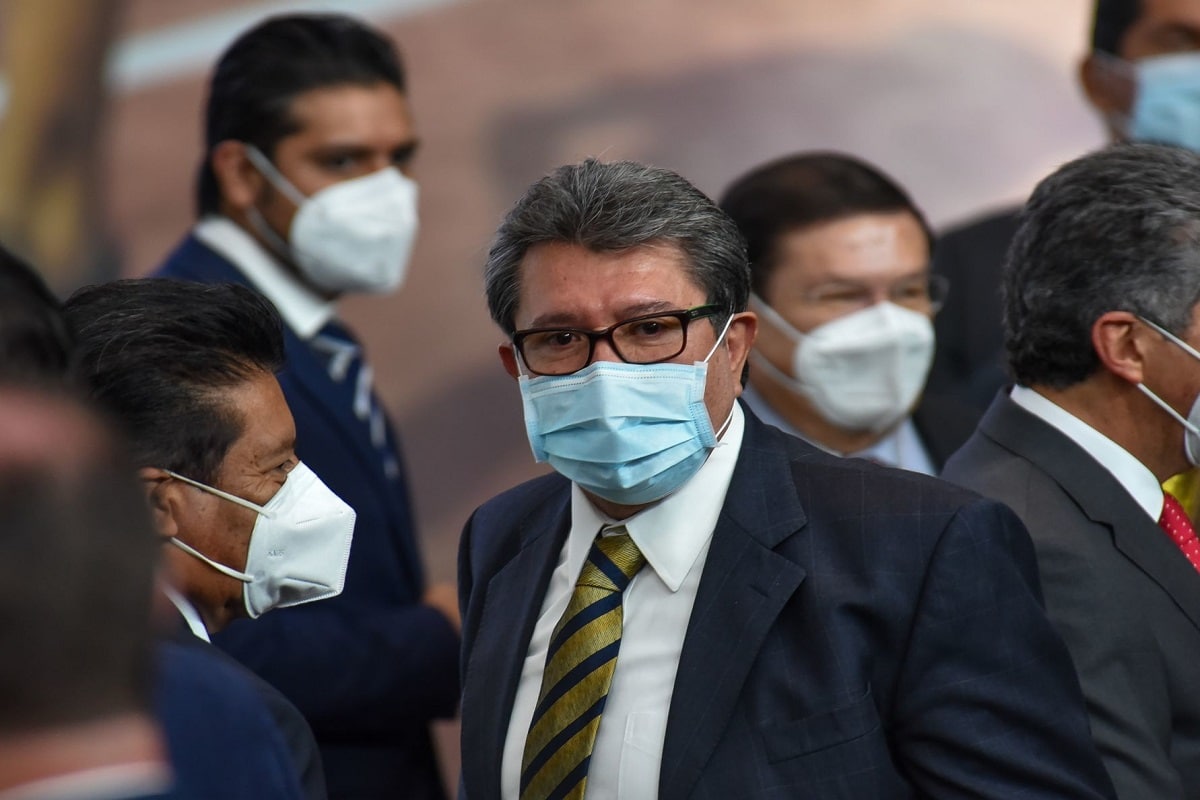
(1175,522)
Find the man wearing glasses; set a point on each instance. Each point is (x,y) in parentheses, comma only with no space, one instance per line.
(698,605)
(839,273)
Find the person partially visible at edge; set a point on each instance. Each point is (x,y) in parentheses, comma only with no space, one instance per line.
(1102,326)
(698,605)
(77,563)
(839,273)
(1142,77)
(305,194)
(220,737)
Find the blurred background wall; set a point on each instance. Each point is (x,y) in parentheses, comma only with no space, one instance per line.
(966,103)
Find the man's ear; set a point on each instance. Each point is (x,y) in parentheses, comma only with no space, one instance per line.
(508,357)
(239,181)
(163,498)
(743,330)
(1108,87)
(1121,342)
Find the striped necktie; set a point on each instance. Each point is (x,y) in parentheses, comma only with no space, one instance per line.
(346,366)
(579,668)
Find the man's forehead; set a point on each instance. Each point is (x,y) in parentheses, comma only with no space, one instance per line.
(1161,23)
(266,428)
(339,106)
(552,272)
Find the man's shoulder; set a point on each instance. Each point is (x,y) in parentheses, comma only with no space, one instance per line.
(824,479)
(518,503)
(193,260)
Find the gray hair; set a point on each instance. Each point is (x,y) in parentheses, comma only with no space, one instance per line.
(612,208)
(1117,230)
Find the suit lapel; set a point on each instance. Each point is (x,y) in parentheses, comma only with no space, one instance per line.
(511,606)
(744,587)
(1101,498)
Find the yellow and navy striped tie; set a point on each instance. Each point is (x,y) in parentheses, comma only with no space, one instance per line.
(579,669)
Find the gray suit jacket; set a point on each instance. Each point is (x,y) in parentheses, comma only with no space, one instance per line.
(1118,589)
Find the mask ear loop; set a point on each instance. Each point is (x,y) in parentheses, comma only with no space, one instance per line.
(720,338)
(1187,348)
(272,174)
(185,547)
(233,498)
(724,425)
(219,567)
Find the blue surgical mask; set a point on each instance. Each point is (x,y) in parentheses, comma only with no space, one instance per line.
(1166,108)
(629,433)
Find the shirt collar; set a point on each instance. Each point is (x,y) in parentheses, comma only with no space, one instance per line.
(189,613)
(1132,474)
(302,309)
(673,532)
(902,447)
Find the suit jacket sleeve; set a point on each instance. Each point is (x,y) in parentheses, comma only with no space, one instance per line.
(984,663)
(342,686)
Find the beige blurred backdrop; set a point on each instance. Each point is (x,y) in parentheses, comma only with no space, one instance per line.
(968,103)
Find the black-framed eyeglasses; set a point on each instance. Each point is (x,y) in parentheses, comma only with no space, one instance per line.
(647,339)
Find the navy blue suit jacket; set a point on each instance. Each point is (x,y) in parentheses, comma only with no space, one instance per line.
(371,667)
(858,632)
(220,735)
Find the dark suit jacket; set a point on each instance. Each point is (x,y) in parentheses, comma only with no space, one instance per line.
(969,363)
(289,722)
(371,667)
(858,632)
(944,423)
(220,736)
(1118,589)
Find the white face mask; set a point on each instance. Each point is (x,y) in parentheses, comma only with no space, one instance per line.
(300,545)
(1191,425)
(353,236)
(861,372)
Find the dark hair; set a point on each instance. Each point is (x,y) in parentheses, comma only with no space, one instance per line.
(255,81)
(806,189)
(35,341)
(616,207)
(77,560)
(1111,19)
(157,354)
(1117,230)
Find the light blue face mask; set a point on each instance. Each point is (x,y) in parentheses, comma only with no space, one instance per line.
(1166,108)
(629,433)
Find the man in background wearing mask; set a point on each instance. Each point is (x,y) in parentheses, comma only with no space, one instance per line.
(839,270)
(696,604)
(188,372)
(304,196)
(1102,322)
(1143,77)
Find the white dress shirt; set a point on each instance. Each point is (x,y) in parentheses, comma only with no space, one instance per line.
(673,535)
(901,448)
(189,613)
(302,309)
(1132,474)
